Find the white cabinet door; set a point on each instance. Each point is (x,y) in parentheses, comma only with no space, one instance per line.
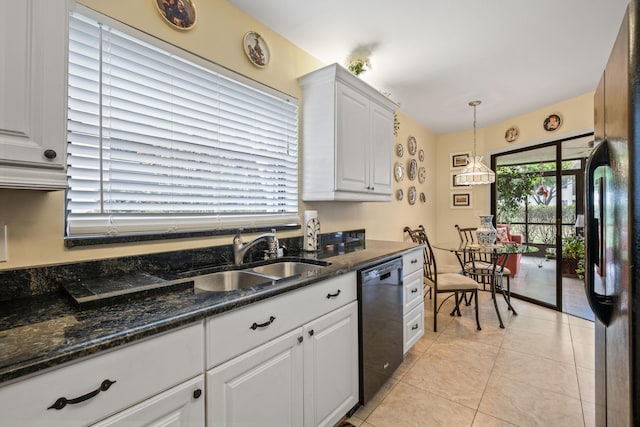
(33,86)
(331,366)
(352,143)
(260,388)
(181,406)
(381,175)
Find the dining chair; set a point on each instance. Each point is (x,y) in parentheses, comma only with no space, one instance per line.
(417,236)
(453,283)
(480,265)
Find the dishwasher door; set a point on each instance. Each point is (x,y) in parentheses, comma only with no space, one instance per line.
(380,306)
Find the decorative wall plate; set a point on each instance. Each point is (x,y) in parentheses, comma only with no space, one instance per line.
(399,194)
(511,134)
(181,14)
(423,197)
(398,171)
(256,49)
(552,122)
(422,174)
(412,169)
(411,195)
(421,155)
(412,145)
(399,150)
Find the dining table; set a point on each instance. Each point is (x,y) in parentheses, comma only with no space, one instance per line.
(497,255)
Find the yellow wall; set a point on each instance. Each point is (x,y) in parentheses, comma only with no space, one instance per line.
(577,114)
(35,219)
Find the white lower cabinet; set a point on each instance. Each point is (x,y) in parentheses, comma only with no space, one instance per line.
(180,406)
(413,282)
(331,366)
(260,388)
(91,390)
(307,375)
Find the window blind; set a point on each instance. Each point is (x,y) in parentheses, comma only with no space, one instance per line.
(161,143)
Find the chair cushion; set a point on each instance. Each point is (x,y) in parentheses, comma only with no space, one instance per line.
(483,267)
(449,268)
(455,282)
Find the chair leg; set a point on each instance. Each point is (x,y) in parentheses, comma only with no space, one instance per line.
(435,312)
(477,314)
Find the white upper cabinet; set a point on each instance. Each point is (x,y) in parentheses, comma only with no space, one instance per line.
(347,142)
(33,85)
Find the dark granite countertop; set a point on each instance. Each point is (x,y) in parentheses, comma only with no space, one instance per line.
(45,331)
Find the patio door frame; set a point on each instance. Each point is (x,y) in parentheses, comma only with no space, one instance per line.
(558,215)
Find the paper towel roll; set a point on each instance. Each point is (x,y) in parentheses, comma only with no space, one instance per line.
(311,229)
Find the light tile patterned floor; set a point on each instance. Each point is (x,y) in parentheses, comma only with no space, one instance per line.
(538,371)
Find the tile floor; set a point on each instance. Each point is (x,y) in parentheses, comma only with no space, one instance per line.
(538,371)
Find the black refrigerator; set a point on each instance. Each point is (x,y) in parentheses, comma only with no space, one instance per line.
(612,264)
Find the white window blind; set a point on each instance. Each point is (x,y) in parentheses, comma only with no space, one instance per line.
(164,143)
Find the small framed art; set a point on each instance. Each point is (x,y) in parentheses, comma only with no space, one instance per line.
(181,14)
(459,160)
(460,200)
(552,122)
(452,182)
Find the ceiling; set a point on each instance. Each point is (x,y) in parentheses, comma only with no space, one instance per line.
(433,57)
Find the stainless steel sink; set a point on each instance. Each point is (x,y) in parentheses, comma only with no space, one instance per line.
(285,269)
(225,281)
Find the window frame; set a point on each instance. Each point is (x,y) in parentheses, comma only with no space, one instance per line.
(153,227)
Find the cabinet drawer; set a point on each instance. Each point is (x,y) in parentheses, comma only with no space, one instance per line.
(412,261)
(140,370)
(413,290)
(413,327)
(235,332)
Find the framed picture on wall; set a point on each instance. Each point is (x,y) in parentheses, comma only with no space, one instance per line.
(459,160)
(452,182)
(460,201)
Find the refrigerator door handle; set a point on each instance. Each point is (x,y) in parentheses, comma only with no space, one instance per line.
(602,305)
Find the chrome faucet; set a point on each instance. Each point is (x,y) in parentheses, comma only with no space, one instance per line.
(240,249)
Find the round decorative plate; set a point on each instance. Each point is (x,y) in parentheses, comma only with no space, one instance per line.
(399,194)
(411,195)
(421,155)
(180,14)
(256,49)
(412,169)
(423,197)
(398,171)
(552,122)
(412,145)
(399,150)
(511,134)
(422,174)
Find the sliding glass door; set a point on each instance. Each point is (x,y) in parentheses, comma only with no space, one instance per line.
(538,194)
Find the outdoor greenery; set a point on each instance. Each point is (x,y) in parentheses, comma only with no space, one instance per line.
(573,248)
(514,186)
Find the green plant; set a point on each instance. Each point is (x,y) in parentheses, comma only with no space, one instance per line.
(573,248)
(514,187)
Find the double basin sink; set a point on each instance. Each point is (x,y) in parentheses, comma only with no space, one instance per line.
(233,280)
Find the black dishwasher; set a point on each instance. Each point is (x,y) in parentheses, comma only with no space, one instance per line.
(380,306)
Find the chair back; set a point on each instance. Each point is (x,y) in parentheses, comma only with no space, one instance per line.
(419,235)
(467,234)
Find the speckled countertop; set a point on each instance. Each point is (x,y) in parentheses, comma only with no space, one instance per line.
(41,332)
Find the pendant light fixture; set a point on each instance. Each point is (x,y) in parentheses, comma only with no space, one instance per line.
(475,173)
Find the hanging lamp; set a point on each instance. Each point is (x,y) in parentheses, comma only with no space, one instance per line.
(475,173)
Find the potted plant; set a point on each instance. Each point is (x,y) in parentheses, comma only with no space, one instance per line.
(573,256)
